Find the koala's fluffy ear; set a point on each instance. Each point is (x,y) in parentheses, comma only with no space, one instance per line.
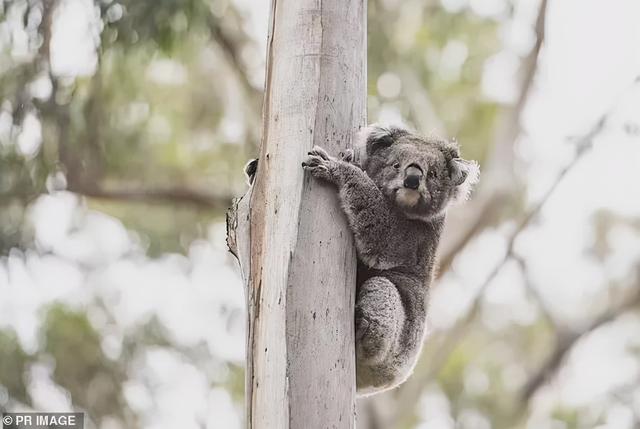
(378,138)
(374,137)
(464,174)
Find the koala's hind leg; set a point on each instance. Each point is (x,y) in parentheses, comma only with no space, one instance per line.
(379,320)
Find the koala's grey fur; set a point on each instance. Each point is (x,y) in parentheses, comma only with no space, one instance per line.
(395,203)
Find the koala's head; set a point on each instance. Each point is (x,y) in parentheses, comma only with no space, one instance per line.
(422,176)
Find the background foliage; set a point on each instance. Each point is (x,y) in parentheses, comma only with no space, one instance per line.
(124,126)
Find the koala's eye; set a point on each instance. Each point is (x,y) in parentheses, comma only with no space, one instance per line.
(396,165)
(432,174)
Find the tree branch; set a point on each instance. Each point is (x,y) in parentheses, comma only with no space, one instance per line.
(206,200)
(497,183)
(567,341)
(230,48)
(535,293)
(423,112)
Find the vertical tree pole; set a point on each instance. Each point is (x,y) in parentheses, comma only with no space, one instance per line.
(289,234)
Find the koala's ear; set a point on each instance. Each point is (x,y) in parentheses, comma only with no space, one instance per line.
(370,139)
(458,171)
(463,174)
(377,141)
(375,137)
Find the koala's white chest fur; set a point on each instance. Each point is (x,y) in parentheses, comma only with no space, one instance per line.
(407,198)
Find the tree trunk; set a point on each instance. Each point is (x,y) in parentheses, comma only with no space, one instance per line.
(289,233)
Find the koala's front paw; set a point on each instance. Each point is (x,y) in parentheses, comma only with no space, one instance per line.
(319,164)
(348,156)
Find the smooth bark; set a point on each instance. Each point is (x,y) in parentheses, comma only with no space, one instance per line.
(289,233)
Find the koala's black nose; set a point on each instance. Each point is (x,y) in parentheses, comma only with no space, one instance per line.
(413,173)
(412,182)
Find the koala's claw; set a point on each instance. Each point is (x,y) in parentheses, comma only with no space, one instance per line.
(318,164)
(314,161)
(318,151)
(347,155)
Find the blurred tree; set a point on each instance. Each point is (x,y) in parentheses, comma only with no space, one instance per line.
(93,380)
(150,122)
(146,135)
(13,367)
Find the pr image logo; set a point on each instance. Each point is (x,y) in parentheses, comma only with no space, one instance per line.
(43,420)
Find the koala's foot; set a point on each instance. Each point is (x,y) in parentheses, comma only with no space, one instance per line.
(379,319)
(362,325)
(373,343)
(319,164)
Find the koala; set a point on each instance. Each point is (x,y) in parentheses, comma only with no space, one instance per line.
(395,199)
